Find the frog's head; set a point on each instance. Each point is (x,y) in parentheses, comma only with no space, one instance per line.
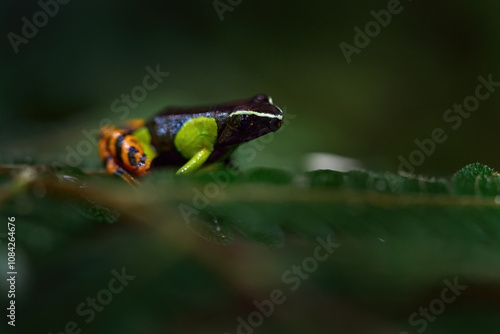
(250,119)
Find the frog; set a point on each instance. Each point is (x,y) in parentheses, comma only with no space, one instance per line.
(186,138)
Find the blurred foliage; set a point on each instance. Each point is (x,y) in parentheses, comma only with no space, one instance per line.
(400,235)
(386,228)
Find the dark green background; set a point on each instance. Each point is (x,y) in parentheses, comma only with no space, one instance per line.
(395,91)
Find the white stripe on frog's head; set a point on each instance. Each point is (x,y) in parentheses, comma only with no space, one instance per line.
(255,113)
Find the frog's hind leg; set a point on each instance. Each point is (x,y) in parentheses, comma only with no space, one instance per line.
(133,124)
(112,168)
(121,154)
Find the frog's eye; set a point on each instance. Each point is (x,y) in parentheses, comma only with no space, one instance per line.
(243,122)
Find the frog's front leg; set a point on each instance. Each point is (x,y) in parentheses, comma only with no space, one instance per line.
(195,162)
(195,141)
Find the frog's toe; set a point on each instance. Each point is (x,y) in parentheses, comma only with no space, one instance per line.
(123,174)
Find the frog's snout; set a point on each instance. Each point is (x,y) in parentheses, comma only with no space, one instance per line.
(275,124)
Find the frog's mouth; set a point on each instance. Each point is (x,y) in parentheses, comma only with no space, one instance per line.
(273,126)
(276,124)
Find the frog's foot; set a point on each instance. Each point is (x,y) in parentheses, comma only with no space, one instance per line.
(122,154)
(112,168)
(126,176)
(195,162)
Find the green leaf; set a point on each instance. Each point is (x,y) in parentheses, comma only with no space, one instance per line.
(416,229)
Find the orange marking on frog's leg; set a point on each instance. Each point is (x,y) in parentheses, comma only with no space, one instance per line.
(130,155)
(136,157)
(122,154)
(134,123)
(111,165)
(103,151)
(111,142)
(112,168)
(107,141)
